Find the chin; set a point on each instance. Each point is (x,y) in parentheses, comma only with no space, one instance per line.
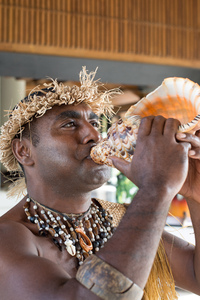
(100,176)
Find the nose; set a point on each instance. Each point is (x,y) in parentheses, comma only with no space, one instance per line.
(89,134)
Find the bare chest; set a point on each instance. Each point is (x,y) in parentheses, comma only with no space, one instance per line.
(47,249)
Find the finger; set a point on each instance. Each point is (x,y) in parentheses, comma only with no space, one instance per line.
(195,154)
(171,126)
(158,125)
(145,126)
(190,138)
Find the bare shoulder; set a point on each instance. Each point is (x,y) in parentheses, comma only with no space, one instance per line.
(24,274)
(15,238)
(23,271)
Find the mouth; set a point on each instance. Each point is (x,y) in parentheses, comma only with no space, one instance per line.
(88,157)
(86,153)
(89,151)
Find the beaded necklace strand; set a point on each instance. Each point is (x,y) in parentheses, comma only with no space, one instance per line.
(80,234)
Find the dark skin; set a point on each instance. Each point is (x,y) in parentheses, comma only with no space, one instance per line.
(33,267)
(190,190)
(183,257)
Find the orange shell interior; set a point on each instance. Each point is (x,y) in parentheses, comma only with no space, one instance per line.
(171,106)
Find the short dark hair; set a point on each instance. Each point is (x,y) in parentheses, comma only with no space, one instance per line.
(30,132)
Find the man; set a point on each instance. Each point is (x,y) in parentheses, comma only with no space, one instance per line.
(56,229)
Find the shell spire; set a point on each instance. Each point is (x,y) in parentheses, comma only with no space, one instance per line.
(176,97)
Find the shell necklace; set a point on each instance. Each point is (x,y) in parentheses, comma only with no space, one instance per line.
(80,234)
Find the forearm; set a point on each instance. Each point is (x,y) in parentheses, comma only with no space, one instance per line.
(75,290)
(184,258)
(133,246)
(194,207)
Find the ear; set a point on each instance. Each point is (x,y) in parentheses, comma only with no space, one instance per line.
(22,152)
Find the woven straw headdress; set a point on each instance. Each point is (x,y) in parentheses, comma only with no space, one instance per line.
(41,100)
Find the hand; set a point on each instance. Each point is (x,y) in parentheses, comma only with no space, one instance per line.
(159,161)
(191,186)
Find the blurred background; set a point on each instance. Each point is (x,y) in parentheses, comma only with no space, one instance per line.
(134,43)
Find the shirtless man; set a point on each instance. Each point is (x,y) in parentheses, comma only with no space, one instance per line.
(52,232)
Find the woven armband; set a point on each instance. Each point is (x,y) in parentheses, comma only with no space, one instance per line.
(106,282)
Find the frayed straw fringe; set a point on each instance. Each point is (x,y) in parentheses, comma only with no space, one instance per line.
(160,284)
(17,188)
(37,105)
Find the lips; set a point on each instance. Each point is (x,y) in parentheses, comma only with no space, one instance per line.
(84,151)
(88,157)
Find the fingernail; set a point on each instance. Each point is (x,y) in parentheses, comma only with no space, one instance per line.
(192,152)
(181,135)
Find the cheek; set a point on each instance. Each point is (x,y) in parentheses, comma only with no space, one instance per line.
(50,157)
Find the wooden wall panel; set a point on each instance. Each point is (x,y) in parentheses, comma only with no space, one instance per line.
(151,31)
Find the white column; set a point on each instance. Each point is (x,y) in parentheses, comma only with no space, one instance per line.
(12,91)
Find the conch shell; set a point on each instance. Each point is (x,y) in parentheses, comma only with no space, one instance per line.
(177,98)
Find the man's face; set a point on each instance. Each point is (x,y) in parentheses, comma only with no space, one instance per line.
(66,135)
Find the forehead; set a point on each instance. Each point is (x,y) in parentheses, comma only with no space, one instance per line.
(67,111)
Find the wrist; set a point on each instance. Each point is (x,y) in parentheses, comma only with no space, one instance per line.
(157,194)
(107,282)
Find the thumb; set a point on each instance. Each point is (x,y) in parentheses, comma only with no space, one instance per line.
(120,164)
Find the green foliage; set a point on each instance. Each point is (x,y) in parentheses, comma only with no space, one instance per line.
(126,190)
